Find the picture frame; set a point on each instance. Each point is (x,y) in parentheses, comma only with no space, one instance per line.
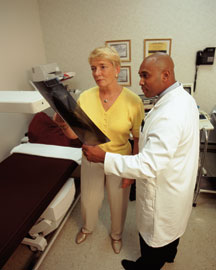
(188,87)
(157,45)
(123,47)
(124,77)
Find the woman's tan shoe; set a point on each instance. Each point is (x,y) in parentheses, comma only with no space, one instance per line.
(81,237)
(116,245)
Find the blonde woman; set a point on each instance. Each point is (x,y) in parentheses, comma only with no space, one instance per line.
(118,112)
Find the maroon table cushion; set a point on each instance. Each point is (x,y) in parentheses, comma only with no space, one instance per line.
(27,185)
(44,130)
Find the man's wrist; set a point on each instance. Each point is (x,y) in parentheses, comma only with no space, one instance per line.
(103,157)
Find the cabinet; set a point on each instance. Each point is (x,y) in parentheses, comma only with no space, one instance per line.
(148,102)
(204,181)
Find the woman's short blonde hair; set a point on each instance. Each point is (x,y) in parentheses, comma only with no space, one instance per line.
(106,52)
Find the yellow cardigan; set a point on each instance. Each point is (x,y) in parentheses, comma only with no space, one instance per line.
(121,119)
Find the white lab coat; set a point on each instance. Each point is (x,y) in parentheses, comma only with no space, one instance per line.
(165,168)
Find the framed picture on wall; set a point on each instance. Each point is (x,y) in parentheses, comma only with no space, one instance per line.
(157,45)
(124,77)
(123,47)
(188,87)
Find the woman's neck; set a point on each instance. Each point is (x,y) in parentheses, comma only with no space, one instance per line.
(110,90)
(108,96)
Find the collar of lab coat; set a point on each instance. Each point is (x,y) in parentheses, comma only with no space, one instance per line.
(163,97)
(170,88)
(175,86)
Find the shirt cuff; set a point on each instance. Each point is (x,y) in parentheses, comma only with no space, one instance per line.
(108,163)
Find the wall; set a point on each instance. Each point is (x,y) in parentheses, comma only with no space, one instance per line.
(21,48)
(72,28)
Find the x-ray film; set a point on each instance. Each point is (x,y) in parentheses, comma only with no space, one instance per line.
(63,103)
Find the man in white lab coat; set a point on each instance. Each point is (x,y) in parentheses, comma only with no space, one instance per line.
(165,168)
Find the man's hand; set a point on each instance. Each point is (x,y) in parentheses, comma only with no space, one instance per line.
(93,153)
(127,182)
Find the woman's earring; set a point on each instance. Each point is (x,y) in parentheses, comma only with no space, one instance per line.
(116,76)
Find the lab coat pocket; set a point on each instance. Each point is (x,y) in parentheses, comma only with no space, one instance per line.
(145,218)
(147,195)
(148,210)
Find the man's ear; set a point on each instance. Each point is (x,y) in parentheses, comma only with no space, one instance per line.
(165,75)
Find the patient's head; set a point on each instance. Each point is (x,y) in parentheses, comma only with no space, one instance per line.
(105,52)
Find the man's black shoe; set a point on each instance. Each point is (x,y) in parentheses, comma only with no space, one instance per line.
(128,265)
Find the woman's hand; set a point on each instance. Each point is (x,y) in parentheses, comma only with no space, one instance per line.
(127,182)
(93,153)
(64,126)
(58,119)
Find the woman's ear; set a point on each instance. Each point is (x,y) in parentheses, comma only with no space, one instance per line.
(118,69)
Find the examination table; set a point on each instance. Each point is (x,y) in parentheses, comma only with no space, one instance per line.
(31,177)
(27,186)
